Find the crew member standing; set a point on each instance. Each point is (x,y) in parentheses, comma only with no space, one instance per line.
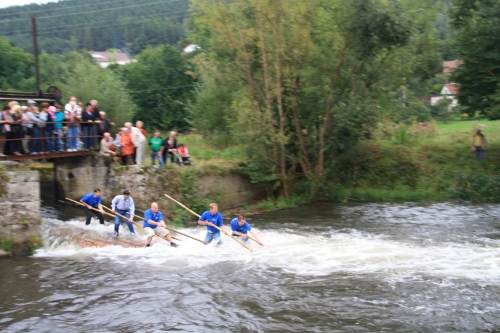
(93,200)
(212,218)
(240,227)
(123,205)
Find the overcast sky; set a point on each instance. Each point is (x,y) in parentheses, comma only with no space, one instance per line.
(8,3)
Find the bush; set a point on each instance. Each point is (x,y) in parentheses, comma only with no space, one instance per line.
(476,186)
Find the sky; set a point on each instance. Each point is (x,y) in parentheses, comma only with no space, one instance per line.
(8,3)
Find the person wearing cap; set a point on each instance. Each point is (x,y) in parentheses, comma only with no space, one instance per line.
(478,145)
(240,228)
(155,225)
(123,205)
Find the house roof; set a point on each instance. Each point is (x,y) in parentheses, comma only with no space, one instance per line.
(105,56)
(452,88)
(448,66)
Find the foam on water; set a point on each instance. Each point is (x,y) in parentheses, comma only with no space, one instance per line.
(346,252)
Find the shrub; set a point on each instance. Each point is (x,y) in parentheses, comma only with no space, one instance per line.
(476,186)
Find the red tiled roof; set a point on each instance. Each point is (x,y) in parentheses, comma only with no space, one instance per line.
(448,66)
(452,87)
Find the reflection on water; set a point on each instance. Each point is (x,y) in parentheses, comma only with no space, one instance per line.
(336,268)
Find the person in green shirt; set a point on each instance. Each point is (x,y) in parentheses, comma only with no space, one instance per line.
(155,144)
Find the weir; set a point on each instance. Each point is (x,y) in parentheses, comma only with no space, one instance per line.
(20,209)
(79,175)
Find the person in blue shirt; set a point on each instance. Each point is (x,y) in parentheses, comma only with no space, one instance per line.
(93,200)
(123,205)
(154,225)
(212,218)
(240,228)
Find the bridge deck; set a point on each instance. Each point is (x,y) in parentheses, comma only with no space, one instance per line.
(46,155)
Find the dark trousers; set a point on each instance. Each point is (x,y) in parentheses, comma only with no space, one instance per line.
(89,212)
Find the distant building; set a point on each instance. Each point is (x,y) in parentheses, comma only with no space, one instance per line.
(449,90)
(104,59)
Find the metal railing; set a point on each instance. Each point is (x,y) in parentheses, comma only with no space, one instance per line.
(41,142)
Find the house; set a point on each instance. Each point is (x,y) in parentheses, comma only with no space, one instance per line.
(104,59)
(449,66)
(449,90)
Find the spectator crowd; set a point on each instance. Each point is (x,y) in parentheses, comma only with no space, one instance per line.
(49,129)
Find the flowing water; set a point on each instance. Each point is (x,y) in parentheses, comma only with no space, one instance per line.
(374,267)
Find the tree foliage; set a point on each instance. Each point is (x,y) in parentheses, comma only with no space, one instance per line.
(16,68)
(478,44)
(160,87)
(83,78)
(303,81)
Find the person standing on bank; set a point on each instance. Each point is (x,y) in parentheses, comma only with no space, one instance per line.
(93,200)
(212,218)
(154,225)
(123,205)
(478,145)
(240,228)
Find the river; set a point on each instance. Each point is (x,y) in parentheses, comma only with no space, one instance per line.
(366,267)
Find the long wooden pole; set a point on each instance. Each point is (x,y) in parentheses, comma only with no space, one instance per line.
(256,241)
(137,224)
(180,233)
(112,215)
(189,210)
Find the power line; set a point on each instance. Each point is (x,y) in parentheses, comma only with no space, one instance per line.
(24,32)
(61,8)
(94,11)
(170,88)
(101,26)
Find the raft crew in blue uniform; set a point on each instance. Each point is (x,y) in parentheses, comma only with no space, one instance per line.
(93,200)
(154,224)
(123,205)
(240,228)
(212,218)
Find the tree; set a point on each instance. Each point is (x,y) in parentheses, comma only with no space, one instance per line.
(302,80)
(16,68)
(478,45)
(86,80)
(160,87)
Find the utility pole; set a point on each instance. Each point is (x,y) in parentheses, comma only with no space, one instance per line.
(35,52)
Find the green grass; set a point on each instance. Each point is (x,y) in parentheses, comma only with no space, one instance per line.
(205,154)
(468,126)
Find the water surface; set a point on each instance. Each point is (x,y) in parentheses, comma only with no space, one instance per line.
(378,267)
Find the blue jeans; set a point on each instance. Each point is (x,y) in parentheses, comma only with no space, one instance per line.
(73,132)
(479,153)
(155,154)
(119,218)
(211,235)
(35,143)
(60,142)
(50,145)
(88,142)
